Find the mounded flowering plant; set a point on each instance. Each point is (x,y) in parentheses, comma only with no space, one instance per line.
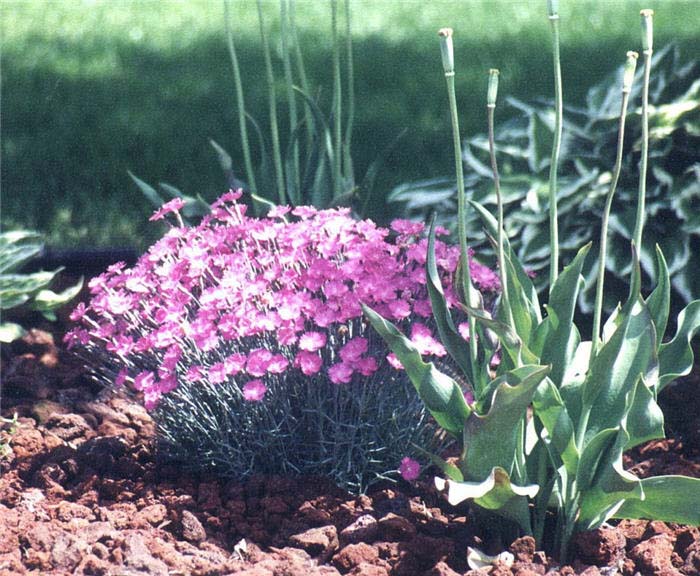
(246,339)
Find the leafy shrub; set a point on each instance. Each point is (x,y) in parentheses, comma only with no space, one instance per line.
(246,338)
(544,439)
(588,155)
(22,289)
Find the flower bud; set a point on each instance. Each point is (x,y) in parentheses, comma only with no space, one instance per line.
(647,30)
(447,50)
(493,88)
(630,67)
(553,8)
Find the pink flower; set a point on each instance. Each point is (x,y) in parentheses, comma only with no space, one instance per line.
(409,469)
(353,350)
(340,373)
(407,227)
(78,312)
(312,341)
(309,362)
(394,361)
(194,373)
(258,361)
(254,391)
(463,329)
(144,380)
(121,377)
(278,364)
(174,206)
(217,373)
(423,339)
(234,363)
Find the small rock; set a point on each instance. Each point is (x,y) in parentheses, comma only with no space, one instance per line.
(355,554)
(441,569)
(70,427)
(653,555)
(192,529)
(139,559)
(523,549)
(153,514)
(590,571)
(321,541)
(314,515)
(368,570)
(364,529)
(44,410)
(602,547)
(394,527)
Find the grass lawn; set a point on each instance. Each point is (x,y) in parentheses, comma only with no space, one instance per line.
(93,88)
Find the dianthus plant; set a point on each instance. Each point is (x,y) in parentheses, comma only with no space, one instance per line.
(245,336)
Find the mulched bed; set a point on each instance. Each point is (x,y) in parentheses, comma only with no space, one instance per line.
(82,492)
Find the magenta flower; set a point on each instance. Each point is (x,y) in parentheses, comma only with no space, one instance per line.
(409,469)
(308,362)
(258,362)
(312,341)
(254,391)
(174,206)
(340,373)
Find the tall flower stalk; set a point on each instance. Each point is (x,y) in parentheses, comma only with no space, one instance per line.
(240,102)
(553,9)
(274,130)
(301,70)
(337,105)
(464,281)
(287,39)
(491,109)
(647,50)
(347,156)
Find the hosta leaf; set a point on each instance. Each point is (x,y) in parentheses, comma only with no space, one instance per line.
(497,493)
(13,257)
(451,339)
(46,300)
(551,411)
(629,354)
(491,440)
(676,356)
(666,498)
(9,332)
(441,394)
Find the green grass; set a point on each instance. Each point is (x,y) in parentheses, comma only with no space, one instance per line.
(91,89)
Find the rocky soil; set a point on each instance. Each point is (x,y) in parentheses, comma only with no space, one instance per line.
(82,492)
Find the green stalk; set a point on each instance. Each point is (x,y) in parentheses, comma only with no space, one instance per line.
(337,106)
(556,147)
(628,78)
(491,108)
(465,280)
(347,157)
(647,46)
(277,156)
(242,121)
(301,69)
(291,98)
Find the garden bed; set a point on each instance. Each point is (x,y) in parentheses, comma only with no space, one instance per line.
(82,492)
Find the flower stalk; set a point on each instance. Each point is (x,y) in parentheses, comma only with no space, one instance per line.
(347,156)
(465,282)
(491,98)
(553,9)
(240,102)
(647,50)
(337,106)
(287,39)
(301,70)
(272,96)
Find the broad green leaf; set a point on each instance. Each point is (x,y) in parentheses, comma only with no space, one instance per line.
(451,339)
(676,356)
(629,354)
(147,190)
(46,300)
(441,394)
(645,420)
(497,493)
(13,257)
(559,347)
(525,317)
(491,440)
(551,411)
(666,498)
(9,332)
(593,454)
(659,300)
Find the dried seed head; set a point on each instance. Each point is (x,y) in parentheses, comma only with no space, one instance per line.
(493,88)
(647,30)
(447,50)
(630,67)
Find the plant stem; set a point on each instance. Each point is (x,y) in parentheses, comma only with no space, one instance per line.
(277,156)
(347,156)
(295,188)
(242,121)
(647,44)
(308,120)
(337,106)
(598,308)
(556,149)
(464,259)
(491,108)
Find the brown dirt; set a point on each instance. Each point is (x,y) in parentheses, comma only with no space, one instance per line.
(82,492)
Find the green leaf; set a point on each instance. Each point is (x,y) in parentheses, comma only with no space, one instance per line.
(451,339)
(9,332)
(496,493)
(593,454)
(13,257)
(224,157)
(666,498)
(147,190)
(491,440)
(645,420)
(449,470)
(551,411)
(559,345)
(47,300)
(676,356)
(441,394)
(659,300)
(629,354)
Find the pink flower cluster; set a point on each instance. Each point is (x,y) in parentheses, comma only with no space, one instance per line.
(249,301)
